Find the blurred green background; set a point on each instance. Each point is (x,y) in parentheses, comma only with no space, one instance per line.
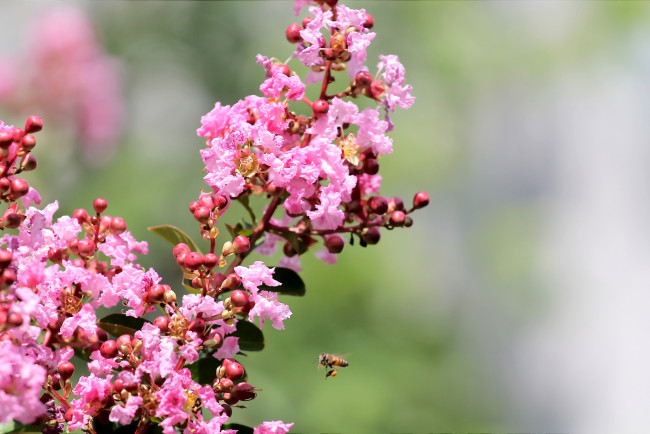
(458,323)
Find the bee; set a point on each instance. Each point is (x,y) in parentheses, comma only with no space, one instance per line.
(329,361)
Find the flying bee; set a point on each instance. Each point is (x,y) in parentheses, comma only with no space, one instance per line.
(329,361)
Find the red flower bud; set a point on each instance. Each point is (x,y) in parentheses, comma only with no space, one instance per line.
(118,225)
(334,244)
(397,218)
(320,107)
(33,124)
(372,236)
(210,260)
(66,369)
(234,371)
(293,33)
(100,205)
(81,215)
(370,21)
(6,139)
(241,244)
(162,322)
(19,187)
(86,248)
(109,350)
(420,200)
(193,260)
(180,248)
(363,78)
(377,205)
(239,298)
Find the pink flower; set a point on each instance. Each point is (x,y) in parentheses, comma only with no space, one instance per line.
(327,215)
(125,414)
(310,55)
(279,83)
(274,427)
(299,4)
(267,306)
(158,352)
(372,131)
(256,274)
(85,319)
(396,94)
(101,366)
(229,348)
(369,183)
(91,392)
(215,122)
(21,383)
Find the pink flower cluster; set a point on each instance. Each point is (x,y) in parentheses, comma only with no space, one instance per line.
(320,174)
(322,167)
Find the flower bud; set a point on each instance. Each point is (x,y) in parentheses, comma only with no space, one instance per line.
(180,248)
(18,187)
(334,244)
(202,214)
(395,204)
(215,341)
(6,257)
(408,222)
(288,250)
(118,385)
(293,33)
(241,244)
(420,200)
(155,294)
(320,107)
(109,349)
(231,282)
(86,248)
(210,260)
(243,391)
(124,343)
(239,298)
(397,218)
(226,383)
(377,205)
(170,296)
(100,205)
(193,260)
(283,69)
(220,201)
(6,139)
(81,215)
(66,369)
(118,225)
(370,166)
(234,371)
(206,201)
(5,183)
(27,143)
(14,319)
(363,78)
(372,236)
(197,325)
(33,124)
(370,21)
(162,322)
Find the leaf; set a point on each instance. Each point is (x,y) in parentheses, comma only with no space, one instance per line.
(244,200)
(204,370)
(174,235)
(292,283)
(244,229)
(241,429)
(118,324)
(250,336)
(295,241)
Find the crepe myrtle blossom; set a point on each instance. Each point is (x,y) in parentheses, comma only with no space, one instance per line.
(316,164)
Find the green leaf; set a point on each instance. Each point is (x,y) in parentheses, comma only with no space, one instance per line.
(250,336)
(204,370)
(118,324)
(16,427)
(241,429)
(292,283)
(244,200)
(244,229)
(174,235)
